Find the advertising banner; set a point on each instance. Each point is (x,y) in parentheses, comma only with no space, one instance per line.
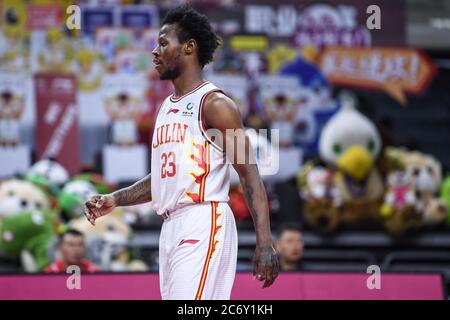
(395,70)
(57,120)
(41,17)
(288,286)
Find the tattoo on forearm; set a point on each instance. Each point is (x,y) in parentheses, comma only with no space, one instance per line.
(139,192)
(256,199)
(254,193)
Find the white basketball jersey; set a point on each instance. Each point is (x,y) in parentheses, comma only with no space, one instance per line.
(186,167)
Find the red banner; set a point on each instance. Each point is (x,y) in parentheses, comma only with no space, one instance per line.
(43,17)
(57,120)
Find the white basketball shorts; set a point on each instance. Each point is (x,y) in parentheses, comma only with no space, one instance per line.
(198,253)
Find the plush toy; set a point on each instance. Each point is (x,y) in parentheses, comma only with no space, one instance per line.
(108,243)
(350,152)
(56,55)
(411,200)
(18,195)
(51,171)
(29,236)
(89,68)
(314,104)
(426,177)
(399,221)
(14,55)
(427,181)
(321,200)
(398,210)
(73,196)
(317,182)
(400,192)
(49,176)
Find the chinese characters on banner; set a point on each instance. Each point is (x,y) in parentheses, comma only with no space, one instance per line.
(318,24)
(394,70)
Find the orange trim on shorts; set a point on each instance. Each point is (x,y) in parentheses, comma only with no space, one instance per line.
(201,285)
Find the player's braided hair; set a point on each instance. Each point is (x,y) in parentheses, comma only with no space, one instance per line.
(193,25)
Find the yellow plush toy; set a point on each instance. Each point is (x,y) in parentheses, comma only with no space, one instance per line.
(88,67)
(350,144)
(57,54)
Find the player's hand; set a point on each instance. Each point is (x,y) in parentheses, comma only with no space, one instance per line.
(265,265)
(98,206)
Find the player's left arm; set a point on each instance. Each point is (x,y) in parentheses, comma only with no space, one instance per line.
(221,113)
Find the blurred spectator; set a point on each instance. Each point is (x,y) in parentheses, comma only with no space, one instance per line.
(72,249)
(289,246)
(282,115)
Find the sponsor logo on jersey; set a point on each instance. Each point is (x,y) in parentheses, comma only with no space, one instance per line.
(189,241)
(188,111)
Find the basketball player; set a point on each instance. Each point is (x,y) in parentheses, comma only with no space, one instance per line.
(189,179)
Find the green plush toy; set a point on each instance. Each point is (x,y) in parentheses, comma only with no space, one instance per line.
(50,189)
(27,236)
(70,205)
(43,183)
(445,195)
(80,188)
(72,197)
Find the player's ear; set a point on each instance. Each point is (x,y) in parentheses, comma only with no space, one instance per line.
(190,46)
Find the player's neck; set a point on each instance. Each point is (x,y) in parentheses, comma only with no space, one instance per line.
(186,82)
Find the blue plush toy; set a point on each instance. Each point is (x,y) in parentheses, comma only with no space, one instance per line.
(315,105)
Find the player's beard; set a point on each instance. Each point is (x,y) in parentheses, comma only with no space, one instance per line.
(170,74)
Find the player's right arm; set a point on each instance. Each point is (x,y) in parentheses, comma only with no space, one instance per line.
(100,205)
